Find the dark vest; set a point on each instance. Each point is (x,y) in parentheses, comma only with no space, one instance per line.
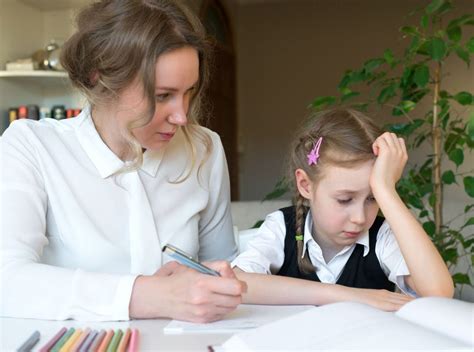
(359,271)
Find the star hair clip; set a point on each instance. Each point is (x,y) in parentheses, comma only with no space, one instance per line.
(313,155)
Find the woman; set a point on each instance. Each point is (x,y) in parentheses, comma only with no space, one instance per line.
(89,202)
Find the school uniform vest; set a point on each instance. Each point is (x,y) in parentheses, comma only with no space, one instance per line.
(359,271)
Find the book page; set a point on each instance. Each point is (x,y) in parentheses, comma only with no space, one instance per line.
(344,325)
(246,316)
(447,316)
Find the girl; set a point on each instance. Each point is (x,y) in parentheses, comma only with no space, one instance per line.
(87,203)
(344,169)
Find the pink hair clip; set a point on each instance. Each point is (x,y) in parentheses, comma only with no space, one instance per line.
(313,155)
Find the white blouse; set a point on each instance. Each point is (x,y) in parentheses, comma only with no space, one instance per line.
(74,237)
(265,252)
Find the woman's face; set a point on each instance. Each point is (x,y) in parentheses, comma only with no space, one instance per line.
(176,77)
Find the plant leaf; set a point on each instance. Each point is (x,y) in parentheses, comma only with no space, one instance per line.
(463,55)
(469,186)
(464,98)
(387,93)
(448,177)
(454,33)
(456,156)
(429,227)
(404,107)
(321,102)
(460,278)
(373,64)
(436,48)
(389,58)
(424,21)
(470,126)
(421,75)
(434,6)
(470,45)
(409,30)
(469,222)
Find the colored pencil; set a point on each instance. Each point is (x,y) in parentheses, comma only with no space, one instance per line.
(115,341)
(75,347)
(134,341)
(94,345)
(88,341)
(105,342)
(67,346)
(124,342)
(30,342)
(63,340)
(54,339)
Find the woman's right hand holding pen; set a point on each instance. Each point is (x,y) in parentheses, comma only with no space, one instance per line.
(178,292)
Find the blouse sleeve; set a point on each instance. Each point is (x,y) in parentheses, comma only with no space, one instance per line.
(31,289)
(391,259)
(216,234)
(265,252)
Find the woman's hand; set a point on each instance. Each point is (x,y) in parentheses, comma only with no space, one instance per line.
(392,156)
(380,299)
(178,292)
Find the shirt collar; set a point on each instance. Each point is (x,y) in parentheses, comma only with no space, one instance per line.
(363,240)
(104,159)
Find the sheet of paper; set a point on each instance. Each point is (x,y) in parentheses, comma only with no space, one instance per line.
(245,317)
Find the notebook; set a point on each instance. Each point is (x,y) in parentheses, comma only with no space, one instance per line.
(430,323)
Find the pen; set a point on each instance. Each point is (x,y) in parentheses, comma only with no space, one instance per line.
(185,259)
(30,342)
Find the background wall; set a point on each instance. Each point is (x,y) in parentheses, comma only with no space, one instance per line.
(291,51)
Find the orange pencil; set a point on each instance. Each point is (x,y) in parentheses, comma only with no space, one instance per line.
(122,347)
(105,342)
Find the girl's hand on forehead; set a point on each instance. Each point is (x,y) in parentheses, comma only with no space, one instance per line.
(392,156)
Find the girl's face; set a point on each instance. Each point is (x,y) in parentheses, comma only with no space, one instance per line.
(176,77)
(342,203)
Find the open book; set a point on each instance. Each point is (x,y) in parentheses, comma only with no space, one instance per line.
(430,323)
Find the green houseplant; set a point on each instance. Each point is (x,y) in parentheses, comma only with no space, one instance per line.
(410,86)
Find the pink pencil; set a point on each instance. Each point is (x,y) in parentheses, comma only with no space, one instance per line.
(53,341)
(133,346)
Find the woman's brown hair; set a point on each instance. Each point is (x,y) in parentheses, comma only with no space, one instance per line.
(119,41)
(347,138)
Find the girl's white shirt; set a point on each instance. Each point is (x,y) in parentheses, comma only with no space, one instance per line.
(74,237)
(265,252)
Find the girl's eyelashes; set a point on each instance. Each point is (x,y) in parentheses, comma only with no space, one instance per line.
(344,201)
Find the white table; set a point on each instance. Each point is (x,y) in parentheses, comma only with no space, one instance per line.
(13,332)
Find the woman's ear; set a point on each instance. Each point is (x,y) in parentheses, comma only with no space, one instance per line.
(304,184)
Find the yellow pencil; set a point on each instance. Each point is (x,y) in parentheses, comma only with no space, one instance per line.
(80,340)
(66,347)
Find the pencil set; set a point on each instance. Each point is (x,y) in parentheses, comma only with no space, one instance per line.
(86,340)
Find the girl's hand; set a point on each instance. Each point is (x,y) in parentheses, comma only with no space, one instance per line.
(392,156)
(380,299)
(178,292)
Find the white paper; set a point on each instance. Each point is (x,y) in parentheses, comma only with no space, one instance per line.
(245,317)
(343,326)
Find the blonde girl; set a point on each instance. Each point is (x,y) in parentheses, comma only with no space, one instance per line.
(332,246)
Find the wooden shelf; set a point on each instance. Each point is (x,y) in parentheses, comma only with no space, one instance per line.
(37,73)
